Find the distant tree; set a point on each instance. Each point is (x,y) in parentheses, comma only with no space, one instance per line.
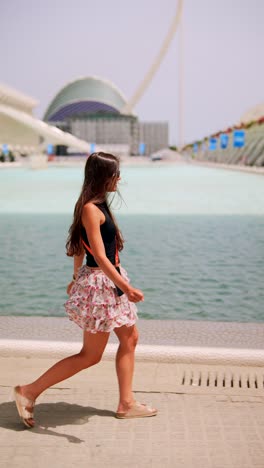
(11,156)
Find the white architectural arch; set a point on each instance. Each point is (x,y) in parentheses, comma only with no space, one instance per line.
(128,108)
(19,128)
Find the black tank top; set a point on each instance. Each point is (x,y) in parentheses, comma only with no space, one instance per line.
(108,233)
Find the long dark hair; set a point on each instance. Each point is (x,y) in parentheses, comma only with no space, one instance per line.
(100,170)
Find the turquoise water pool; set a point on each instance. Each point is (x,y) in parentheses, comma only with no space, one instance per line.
(154,189)
(194,235)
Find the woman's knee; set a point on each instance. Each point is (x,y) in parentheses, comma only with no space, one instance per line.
(89,360)
(93,348)
(130,342)
(135,338)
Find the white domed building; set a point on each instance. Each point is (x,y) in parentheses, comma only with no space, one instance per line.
(93,109)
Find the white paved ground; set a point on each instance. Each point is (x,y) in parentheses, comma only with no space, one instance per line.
(76,424)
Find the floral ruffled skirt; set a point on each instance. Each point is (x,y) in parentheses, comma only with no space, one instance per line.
(94,304)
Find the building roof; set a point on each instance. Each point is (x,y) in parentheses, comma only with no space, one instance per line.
(85,95)
(253,114)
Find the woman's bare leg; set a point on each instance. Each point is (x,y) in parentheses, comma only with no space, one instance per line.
(125,361)
(93,347)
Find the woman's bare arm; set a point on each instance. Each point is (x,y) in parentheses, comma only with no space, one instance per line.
(77,262)
(91,220)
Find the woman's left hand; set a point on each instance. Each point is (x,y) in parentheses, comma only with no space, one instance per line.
(70,285)
(134,294)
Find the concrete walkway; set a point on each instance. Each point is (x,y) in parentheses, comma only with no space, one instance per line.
(76,424)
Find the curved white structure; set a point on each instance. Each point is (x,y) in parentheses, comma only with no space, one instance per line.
(19,127)
(23,132)
(13,98)
(88,94)
(156,64)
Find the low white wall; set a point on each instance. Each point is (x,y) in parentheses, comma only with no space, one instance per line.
(150,353)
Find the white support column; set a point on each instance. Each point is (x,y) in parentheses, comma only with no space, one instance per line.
(181,87)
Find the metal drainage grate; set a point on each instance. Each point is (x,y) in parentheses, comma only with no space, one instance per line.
(187,378)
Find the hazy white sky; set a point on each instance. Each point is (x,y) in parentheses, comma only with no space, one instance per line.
(44,44)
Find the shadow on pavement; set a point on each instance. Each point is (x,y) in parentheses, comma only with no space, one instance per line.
(51,415)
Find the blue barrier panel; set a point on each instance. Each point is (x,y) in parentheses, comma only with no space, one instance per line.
(5,149)
(224,140)
(239,138)
(195,147)
(92,148)
(142,148)
(50,149)
(212,144)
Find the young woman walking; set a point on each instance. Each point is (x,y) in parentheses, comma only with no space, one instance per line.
(101,299)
